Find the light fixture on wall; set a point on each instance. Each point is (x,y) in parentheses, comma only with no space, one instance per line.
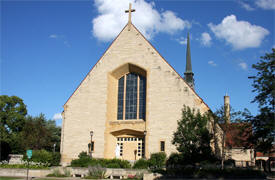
(91,144)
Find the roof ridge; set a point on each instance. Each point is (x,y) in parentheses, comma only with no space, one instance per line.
(172,67)
(95,64)
(152,47)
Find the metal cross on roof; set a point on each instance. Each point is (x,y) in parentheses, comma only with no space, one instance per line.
(129,18)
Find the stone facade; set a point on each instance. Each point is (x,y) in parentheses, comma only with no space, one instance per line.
(93,105)
(16,159)
(242,157)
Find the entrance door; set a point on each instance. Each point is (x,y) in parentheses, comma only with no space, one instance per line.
(131,148)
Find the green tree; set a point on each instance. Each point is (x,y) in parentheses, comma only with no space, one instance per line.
(264,86)
(55,134)
(235,116)
(192,138)
(40,133)
(12,120)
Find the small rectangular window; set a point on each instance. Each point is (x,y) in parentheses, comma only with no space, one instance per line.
(162,146)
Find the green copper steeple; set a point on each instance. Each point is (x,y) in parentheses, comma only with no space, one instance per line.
(188,75)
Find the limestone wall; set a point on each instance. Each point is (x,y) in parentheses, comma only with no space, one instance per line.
(242,157)
(93,105)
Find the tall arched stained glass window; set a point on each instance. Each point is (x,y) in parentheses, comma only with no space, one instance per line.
(131,97)
(120,98)
(142,97)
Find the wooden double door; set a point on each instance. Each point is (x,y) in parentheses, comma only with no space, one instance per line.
(130,148)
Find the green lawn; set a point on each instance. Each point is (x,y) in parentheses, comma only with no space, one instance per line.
(46,179)
(9,178)
(16,178)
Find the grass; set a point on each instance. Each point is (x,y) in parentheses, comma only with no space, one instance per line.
(46,179)
(23,166)
(9,178)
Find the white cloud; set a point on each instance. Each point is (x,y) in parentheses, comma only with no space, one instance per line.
(243,65)
(205,39)
(212,63)
(273,46)
(53,36)
(57,116)
(62,37)
(266,4)
(246,6)
(67,43)
(111,19)
(182,40)
(240,34)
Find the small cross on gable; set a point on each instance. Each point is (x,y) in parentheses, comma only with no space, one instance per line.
(129,18)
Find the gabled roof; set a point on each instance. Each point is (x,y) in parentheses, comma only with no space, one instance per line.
(153,48)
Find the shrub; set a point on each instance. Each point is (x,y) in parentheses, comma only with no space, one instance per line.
(42,156)
(141,164)
(46,157)
(55,159)
(121,163)
(96,172)
(174,160)
(229,162)
(57,173)
(32,165)
(113,165)
(157,160)
(81,162)
(67,172)
(83,154)
(85,161)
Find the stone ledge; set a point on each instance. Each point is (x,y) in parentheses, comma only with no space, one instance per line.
(127,122)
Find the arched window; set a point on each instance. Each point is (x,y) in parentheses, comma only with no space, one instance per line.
(131,97)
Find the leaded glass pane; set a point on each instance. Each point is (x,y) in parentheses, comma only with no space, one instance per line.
(142,97)
(120,98)
(131,96)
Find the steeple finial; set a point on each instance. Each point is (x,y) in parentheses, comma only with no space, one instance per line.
(130,12)
(188,75)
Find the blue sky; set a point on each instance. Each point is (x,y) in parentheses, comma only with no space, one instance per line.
(48,47)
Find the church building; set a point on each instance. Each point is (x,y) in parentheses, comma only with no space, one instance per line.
(128,105)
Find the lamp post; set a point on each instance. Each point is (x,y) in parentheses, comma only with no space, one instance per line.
(54,147)
(91,134)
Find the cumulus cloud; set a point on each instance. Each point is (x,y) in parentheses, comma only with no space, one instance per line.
(111,19)
(266,4)
(205,39)
(57,116)
(212,63)
(182,40)
(246,6)
(243,65)
(240,34)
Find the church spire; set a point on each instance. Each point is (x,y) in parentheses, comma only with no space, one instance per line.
(188,75)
